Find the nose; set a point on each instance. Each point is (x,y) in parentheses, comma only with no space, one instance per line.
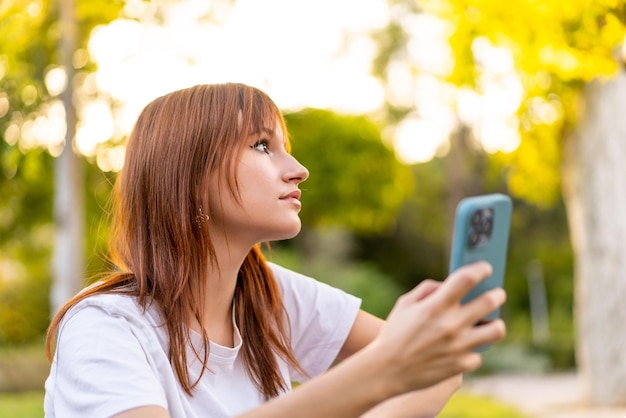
(296,172)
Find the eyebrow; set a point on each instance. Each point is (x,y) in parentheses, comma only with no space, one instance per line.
(272,133)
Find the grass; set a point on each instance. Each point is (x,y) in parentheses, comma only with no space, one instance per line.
(30,404)
(463,405)
(21,405)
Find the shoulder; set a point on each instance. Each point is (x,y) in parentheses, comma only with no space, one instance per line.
(113,312)
(111,329)
(111,355)
(111,304)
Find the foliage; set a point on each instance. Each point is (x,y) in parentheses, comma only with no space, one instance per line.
(418,246)
(415,248)
(24,315)
(355,181)
(572,42)
(555,48)
(565,46)
(25,59)
(25,243)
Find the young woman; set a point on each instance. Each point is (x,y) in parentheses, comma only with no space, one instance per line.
(194,322)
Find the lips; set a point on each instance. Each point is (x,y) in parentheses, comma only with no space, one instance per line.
(293,198)
(293,195)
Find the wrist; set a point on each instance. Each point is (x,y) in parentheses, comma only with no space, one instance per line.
(377,364)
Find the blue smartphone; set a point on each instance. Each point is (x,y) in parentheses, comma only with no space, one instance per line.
(481,233)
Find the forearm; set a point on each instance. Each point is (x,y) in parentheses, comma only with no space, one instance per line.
(347,390)
(425,403)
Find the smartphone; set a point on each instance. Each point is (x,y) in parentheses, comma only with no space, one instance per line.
(481,232)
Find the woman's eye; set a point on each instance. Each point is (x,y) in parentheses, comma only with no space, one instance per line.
(262,146)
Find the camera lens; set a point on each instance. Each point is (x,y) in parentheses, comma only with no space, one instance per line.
(487,226)
(476,217)
(474,238)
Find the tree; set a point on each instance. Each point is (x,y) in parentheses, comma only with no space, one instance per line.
(68,265)
(594,177)
(569,119)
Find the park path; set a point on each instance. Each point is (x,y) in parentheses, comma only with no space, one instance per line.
(541,396)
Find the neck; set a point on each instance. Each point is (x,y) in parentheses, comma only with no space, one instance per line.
(220,290)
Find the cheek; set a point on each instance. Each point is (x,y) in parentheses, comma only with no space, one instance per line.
(254,178)
(221,199)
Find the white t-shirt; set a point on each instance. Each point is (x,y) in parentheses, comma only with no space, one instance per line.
(111,356)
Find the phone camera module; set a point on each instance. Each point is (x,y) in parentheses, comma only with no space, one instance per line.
(481,226)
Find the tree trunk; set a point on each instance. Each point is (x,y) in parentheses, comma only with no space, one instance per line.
(68,258)
(594,180)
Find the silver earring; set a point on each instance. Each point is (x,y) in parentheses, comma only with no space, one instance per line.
(202,218)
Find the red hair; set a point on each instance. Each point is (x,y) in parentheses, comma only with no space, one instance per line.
(158,248)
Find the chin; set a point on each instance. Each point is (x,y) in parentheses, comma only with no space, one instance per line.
(288,233)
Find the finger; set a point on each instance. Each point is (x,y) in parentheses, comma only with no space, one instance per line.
(470,362)
(483,305)
(425,288)
(419,292)
(462,280)
(487,333)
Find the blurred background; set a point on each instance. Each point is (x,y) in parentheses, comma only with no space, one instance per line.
(398,108)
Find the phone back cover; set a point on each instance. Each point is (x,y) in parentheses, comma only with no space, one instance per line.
(494,250)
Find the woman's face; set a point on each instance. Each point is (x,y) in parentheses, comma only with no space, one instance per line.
(268,178)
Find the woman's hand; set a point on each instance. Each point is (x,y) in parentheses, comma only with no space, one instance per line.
(429,336)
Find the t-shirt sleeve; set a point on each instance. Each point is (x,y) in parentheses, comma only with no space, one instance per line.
(101,367)
(320,316)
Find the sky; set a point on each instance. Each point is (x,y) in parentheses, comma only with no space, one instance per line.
(302,53)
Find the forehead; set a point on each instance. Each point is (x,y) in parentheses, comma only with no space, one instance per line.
(272,129)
